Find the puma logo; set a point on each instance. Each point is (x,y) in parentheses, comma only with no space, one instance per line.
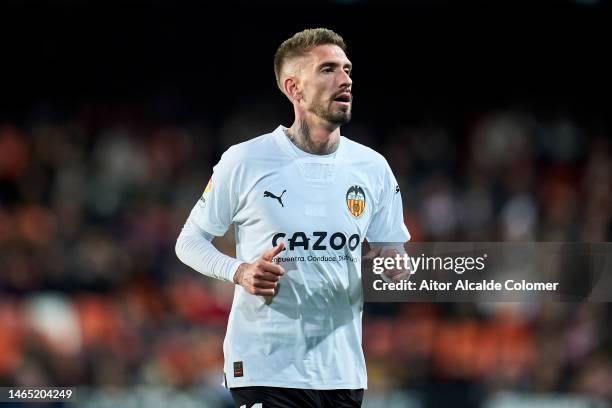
(279,198)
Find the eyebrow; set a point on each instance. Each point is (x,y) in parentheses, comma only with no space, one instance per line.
(335,64)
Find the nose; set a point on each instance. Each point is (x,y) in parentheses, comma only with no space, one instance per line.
(346,79)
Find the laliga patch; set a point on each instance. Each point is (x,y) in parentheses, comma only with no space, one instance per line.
(356,201)
(206,191)
(209,186)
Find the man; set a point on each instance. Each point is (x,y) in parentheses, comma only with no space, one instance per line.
(302,200)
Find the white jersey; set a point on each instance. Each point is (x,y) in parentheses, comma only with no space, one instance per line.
(322,206)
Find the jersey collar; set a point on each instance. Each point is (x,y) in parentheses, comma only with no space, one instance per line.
(287,144)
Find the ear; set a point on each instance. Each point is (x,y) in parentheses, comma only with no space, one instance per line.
(292,89)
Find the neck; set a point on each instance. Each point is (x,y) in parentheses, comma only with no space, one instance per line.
(314,139)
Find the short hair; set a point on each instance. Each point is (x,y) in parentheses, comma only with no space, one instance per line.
(301,43)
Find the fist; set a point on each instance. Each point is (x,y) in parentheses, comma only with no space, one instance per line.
(396,274)
(261,277)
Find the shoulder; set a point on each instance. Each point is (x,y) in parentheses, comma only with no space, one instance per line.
(257,147)
(363,154)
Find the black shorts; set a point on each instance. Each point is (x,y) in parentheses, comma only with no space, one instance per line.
(274,397)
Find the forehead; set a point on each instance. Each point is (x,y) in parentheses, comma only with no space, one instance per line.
(327,53)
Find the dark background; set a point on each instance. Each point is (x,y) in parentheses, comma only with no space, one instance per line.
(412,59)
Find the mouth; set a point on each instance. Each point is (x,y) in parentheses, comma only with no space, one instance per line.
(344,98)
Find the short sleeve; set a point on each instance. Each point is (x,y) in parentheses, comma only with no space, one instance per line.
(387,223)
(215,210)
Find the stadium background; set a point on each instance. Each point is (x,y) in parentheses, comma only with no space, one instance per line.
(494,118)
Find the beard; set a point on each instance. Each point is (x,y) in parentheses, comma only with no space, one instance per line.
(335,116)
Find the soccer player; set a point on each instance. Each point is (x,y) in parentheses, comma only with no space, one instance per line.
(302,200)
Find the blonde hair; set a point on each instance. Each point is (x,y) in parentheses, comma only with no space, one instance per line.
(300,44)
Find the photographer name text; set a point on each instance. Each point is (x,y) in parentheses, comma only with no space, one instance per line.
(465,285)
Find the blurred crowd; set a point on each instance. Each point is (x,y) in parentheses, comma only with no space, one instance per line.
(91,292)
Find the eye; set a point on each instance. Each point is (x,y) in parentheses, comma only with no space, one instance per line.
(327,70)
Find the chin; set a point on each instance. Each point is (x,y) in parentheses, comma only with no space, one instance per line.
(336,117)
(342,119)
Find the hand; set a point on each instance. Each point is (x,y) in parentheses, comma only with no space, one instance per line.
(261,277)
(389,275)
(397,274)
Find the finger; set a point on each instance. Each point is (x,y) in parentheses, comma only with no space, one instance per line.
(267,276)
(263,292)
(274,251)
(392,273)
(262,284)
(389,252)
(372,253)
(401,277)
(270,267)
